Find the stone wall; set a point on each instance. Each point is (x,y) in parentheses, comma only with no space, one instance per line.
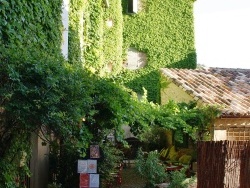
(135,59)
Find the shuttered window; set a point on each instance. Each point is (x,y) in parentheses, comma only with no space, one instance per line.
(240,134)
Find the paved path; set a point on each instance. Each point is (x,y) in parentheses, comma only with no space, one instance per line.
(131,179)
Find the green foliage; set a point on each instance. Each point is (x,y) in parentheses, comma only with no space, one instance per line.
(150,168)
(14,157)
(114,106)
(76,22)
(34,83)
(93,35)
(38,89)
(181,118)
(143,78)
(111,161)
(164,31)
(154,138)
(195,120)
(65,157)
(28,88)
(113,38)
(179,179)
(201,118)
(37,92)
(27,23)
(94,42)
(101,44)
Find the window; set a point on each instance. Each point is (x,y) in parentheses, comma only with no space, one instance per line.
(132,6)
(240,134)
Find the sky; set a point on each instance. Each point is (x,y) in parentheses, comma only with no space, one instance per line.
(222,33)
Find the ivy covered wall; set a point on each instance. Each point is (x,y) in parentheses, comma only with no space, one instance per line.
(113,38)
(164,30)
(75,38)
(30,38)
(32,24)
(95,35)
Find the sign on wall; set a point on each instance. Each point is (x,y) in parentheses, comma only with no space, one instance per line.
(87,166)
(94,152)
(88,169)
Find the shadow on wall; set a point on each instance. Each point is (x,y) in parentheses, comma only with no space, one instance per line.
(74,46)
(149,77)
(189,62)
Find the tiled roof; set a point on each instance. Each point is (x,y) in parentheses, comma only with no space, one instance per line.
(229,88)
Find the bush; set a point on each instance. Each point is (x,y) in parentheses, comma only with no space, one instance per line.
(110,162)
(179,179)
(37,92)
(150,168)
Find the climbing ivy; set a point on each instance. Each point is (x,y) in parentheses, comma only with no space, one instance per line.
(76,22)
(161,29)
(164,30)
(92,40)
(93,52)
(38,88)
(113,38)
(27,23)
(39,92)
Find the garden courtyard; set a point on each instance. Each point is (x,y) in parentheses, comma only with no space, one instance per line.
(131,179)
(69,84)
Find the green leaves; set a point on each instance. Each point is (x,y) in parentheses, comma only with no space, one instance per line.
(150,168)
(40,91)
(29,23)
(181,118)
(164,31)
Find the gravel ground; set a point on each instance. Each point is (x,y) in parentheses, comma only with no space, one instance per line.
(131,179)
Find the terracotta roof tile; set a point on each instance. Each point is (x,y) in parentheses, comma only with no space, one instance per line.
(229,88)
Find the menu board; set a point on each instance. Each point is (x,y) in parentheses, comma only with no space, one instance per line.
(92,166)
(94,180)
(88,169)
(87,166)
(94,151)
(82,166)
(84,180)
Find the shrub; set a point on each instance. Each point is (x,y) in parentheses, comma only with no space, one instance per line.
(150,168)
(110,162)
(179,179)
